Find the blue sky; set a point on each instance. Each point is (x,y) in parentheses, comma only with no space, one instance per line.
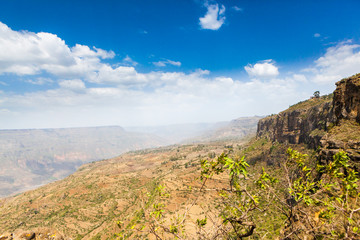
(91,63)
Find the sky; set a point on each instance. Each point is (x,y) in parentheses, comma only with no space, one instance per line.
(144,63)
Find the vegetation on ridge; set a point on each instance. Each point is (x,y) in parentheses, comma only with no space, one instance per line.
(160,192)
(311,102)
(186,192)
(316,201)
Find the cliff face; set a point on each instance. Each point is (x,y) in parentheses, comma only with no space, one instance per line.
(305,122)
(345,134)
(330,123)
(347,99)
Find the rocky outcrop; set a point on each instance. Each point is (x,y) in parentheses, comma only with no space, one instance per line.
(330,146)
(347,99)
(330,125)
(345,133)
(302,124)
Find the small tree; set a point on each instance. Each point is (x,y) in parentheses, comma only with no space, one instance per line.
(316,94)
(235,207)
(317,201)
(321,202)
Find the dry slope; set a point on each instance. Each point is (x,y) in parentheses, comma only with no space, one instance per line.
(88,203)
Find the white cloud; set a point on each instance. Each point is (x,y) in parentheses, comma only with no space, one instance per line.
(225,80)
(160,64)
(214,17)
(238,9)
(27,53)
(338,62)
(141,31)
(75,84)
(104,92)
(82,51)
(40,81)
(167,62)
(121,75)
(176,97)
(175,63)
(91,92)
(264,69)
(300,78)
(317,35)
(128,60)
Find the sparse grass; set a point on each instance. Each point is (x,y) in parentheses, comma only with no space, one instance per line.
(318,132)
(345,131)
(310,103)
(97,195)
(112,190)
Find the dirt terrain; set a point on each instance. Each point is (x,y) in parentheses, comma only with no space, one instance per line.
(90,202)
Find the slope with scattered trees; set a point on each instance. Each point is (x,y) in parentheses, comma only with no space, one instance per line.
(276,186)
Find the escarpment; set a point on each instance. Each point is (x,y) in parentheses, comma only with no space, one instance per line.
(346,102)
(305,122)
(345,132)
(330,123)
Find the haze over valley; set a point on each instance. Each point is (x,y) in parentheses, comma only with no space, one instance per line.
(198,119)
(33,157)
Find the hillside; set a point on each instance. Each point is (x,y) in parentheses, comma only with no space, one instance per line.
(32,157)
(202,132)
(330,123)
(281,194)
(89,202)
(235,129)
(304,122)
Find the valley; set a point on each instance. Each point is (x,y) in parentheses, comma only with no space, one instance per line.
(90,201)
(33,157)
(179,120)
(288,179)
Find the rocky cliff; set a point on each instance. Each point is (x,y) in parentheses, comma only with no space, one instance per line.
(345,132)
(305,122)
(346,102)
(329,123)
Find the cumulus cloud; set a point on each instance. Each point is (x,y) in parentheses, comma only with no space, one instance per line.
(167,62)
(317,35)
(264,69)
(214,17)
(75,84)
(121,75)
(90,92)
(129,61)
(82,51)
(179,97)
(238,9)
(339,61)
(40,81)
(28,53)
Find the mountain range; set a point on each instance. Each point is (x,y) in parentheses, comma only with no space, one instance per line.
(151,194)
(33,157)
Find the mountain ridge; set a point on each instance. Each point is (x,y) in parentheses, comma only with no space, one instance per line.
(89,203)
(33,157)
(321,122)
